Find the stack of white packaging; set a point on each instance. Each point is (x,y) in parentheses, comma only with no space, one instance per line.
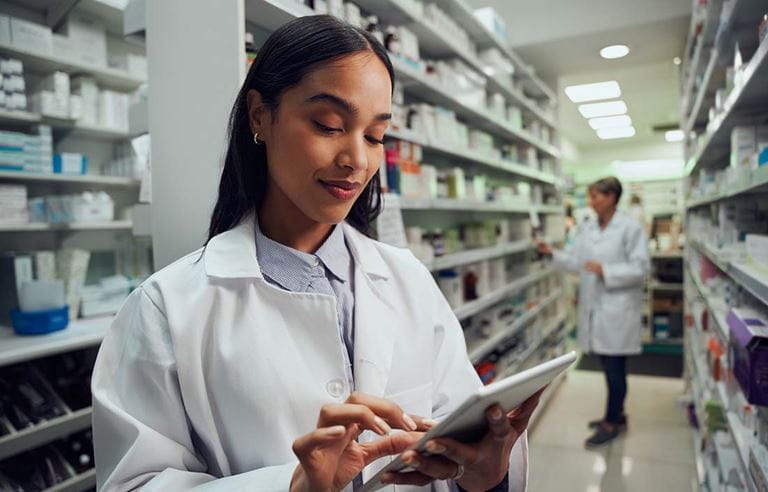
(13,204)
(12,95)
(52,95)
(131,158)
(492,21)
(449,28)
(135,65)
(113,109)
(27,152)
(86,40)
(498,66)
(72,265)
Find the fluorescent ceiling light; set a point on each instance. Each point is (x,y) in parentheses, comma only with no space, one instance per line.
(593,92)
(596,110)
(610,122)
(614,51)
(611,133)
(676,60)
(674,136)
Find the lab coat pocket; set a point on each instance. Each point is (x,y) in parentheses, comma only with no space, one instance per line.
(414,401)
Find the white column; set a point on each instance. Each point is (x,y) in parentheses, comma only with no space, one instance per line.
(196,56)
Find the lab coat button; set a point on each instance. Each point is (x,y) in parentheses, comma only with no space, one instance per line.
(335,387)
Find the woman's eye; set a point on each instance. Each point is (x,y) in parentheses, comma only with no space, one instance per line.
(374,140)
(326,129)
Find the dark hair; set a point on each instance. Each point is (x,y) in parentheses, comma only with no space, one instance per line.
(608,186)
(289,54)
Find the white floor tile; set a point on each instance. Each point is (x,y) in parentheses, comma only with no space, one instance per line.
(654,455)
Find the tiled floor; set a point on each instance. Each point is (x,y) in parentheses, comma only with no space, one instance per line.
(656,454)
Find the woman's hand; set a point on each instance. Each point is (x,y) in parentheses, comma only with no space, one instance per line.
(330,457)
(544,248)
(479,466)
(595,267)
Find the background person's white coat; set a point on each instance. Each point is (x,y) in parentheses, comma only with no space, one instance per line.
(610,309)
(208,373)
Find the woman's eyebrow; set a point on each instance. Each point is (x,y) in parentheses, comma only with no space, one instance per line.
(344,105)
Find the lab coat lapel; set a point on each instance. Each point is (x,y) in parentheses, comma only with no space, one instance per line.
(375,316)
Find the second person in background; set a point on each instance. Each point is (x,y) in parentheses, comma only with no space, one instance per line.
(611,257)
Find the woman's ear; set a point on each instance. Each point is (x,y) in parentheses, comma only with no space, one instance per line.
(256,112)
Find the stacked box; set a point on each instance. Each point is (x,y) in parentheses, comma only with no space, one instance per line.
(13,204)
(25,152)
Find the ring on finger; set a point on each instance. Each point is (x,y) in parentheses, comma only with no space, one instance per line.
(459,472)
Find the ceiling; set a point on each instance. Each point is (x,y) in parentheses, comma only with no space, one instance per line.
(562,38)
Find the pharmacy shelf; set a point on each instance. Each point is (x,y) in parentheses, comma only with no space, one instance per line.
(479,351)
(668,255)
(750,96)
(18,117)
(752,280)
(709,85)
(704,42)
(420,84)
(474,157)
(716,307)
(78,483)
(44,63)
(81,333)
(550,330)
(62,125)
(19,441)
(756,181)
(665,286)
(478,305)
(74,226)
(478,254)
(85,179)
(474,206)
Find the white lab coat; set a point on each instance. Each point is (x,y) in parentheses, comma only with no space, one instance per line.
(208,373)
(610,309)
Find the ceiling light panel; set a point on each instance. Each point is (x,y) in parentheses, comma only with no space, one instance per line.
(674,136)
(597,110)
(593,92)
(614,51)
(611,133)
(610,122)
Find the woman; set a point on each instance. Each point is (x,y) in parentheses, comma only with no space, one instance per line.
(611,257)
(281,355)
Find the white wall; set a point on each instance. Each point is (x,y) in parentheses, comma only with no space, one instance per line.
(628,162)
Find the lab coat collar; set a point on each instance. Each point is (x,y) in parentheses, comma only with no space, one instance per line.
(232,254)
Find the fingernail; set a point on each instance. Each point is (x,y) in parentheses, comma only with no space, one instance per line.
(409,422)
(496,414)
(336,430)
(412,461)
(429,422)
(384,427)
(433,447)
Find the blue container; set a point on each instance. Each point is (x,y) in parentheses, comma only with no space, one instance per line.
(39,322)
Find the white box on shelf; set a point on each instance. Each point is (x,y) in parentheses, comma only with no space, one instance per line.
(47,104)
(31,36)
(89,38)
(492,21)
(64,48)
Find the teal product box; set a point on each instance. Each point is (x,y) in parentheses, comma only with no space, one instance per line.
(70,163)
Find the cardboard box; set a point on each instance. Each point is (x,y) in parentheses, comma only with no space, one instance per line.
(749,353)
(31,37)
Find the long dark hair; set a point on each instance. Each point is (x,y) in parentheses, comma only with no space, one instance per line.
(291,52)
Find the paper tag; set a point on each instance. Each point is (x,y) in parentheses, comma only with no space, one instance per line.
(389,224)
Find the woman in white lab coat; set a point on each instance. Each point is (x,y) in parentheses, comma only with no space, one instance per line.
(281,355)
(611,257)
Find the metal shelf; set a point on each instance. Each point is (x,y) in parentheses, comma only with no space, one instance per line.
(85,179)
(81,333)
(473,307)
(18,117)
(756,181)
(523,358)
(474,157)
(74,226)
(666,255)
(43,63)
(474,206)
(63,125)
(43,433)
(749,97)
(477,353)
(479,254)
(78,483)
(668,286)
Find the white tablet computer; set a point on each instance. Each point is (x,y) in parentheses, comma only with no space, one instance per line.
(468,422)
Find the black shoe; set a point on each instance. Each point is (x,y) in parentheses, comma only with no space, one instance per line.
(602,437)
(622,423)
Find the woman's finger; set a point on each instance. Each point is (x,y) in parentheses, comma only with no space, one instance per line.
(390,445)
(318,438)
(408,478)
(347,413)
(435,466)
(520,416)
(498,423)
(387,410)
(423,424)
(463,454)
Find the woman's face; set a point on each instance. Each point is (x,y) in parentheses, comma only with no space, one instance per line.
(324,142)
(601,203)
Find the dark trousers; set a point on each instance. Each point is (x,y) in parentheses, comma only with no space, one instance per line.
(615,368)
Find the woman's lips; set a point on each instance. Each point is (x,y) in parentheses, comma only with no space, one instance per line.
(341,190)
